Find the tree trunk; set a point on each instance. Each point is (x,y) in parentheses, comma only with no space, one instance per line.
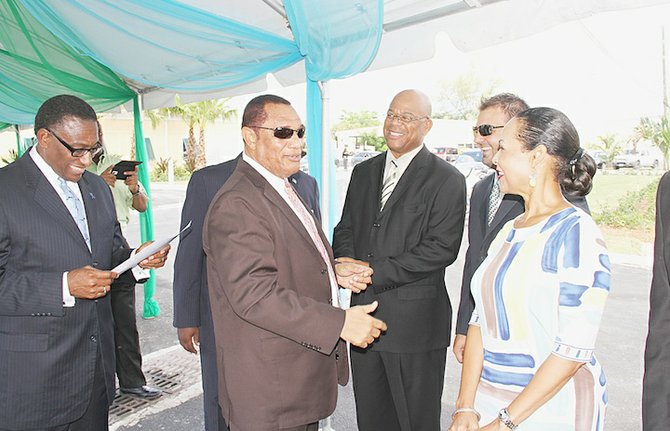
(191,150)
(201,159)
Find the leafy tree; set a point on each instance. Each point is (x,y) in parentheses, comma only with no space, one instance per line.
(657,132)
(373,140)
(610,145)
(356,120)
(459,98)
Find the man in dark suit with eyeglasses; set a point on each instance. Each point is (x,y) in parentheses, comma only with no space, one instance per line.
(59,238)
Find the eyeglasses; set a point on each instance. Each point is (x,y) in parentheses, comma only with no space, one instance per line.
(283,132)
(78,152)
(404,118)
(485,129)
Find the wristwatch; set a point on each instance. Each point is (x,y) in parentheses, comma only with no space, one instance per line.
(503,416)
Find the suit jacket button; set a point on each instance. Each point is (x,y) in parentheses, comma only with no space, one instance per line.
(93,338)
(337,356)
(95,264)
(376,225)
(324,270)
(371,255)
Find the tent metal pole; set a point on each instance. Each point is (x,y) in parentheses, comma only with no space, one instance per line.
(325,158)
(19,149)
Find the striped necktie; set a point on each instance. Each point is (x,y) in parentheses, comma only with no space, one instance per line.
(494,202)
(76,208)
(389,183)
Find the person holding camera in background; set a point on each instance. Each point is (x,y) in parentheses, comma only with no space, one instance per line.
(128,193)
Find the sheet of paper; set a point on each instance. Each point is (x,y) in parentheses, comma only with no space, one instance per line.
(146,252)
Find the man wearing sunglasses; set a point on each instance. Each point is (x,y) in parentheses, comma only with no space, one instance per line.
(192,311)
(59,238)
(489,209)
(403,216)
(273,287)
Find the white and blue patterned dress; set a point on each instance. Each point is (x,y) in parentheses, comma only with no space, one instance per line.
(542,291)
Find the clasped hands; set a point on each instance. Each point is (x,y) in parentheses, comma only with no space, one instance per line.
(360,328)
(353,274)
(91,283)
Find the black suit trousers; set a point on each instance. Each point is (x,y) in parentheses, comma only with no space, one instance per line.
(398,391)
(96,416)
(126,337)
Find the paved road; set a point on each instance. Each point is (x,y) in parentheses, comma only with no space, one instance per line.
(620,343)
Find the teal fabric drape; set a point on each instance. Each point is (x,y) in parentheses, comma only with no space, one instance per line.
(338,39)
(199,51)
(151,308)
(35,65)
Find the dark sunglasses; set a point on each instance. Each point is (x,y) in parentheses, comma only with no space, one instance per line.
(78,152)
(284,132)
(485,129)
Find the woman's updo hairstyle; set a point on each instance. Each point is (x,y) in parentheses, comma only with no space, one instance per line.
(550,127)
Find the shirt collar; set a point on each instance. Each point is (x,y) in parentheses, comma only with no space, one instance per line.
(403,161)
(276,182)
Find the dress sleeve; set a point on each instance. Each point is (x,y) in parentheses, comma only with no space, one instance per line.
(584,276)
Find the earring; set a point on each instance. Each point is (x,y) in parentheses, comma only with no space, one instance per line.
(532,180)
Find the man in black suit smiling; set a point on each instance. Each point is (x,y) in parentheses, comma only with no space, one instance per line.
(403,216)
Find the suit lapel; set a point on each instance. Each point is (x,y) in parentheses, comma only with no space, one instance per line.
(413,175)
(506,205)
(90,205)
(273,196)
(46,197)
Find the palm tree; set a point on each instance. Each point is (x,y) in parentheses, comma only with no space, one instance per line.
(209,111)
(657,132)
(609,145)
(189,113)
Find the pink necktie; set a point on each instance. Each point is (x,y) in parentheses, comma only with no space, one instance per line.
(310,225)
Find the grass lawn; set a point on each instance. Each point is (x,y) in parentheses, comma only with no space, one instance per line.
(608,188)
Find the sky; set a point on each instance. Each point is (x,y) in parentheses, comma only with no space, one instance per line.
(603,72)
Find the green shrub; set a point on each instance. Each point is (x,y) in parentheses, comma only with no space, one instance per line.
(635,210)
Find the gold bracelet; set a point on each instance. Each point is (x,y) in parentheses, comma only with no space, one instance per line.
(466,410)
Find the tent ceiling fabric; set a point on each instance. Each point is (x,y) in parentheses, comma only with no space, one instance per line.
(207,70)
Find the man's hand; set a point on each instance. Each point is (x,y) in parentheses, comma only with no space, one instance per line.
(189,338)
(352,260)
(156,260)
(108,176)
(353,276)
(89,283)
(132,181)
(459,347)
(361,329)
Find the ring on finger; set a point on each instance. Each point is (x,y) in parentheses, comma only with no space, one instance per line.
(104,290)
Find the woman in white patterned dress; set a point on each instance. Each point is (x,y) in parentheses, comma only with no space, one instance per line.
(540,293)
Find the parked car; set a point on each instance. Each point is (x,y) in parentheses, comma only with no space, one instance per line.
(476,154)
(600,158)
(471,168)
(445,153)
(633,159)
(361,156)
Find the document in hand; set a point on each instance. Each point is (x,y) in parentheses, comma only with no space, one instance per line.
(147,251)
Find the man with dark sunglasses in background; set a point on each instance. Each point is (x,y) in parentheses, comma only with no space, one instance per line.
(489,208)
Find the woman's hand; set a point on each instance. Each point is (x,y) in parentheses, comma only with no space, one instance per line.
(464,421)
(496,425)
